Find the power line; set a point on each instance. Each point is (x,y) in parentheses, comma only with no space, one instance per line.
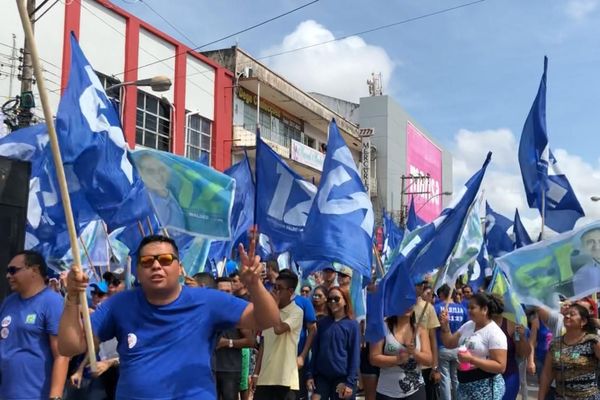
(378,28)
(227,37)
(168,23)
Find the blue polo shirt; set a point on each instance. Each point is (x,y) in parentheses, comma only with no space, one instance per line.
(309,317)
(25,355)
(165,351)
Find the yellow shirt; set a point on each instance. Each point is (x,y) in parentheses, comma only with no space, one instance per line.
(278,366)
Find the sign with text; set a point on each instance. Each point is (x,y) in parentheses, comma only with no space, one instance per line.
(424,158)
(307,155)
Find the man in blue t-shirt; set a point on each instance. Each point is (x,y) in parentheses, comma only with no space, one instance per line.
(167,332)
(30,365)
(448,358)
(307,334)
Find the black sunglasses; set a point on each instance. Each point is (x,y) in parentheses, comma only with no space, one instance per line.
(13,270)
(334,299)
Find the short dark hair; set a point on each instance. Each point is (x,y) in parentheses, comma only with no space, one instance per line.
(290,278)
(33,258)
(234,274)
(272,264)
(467,286)
(205,279)
(494,303)
(158,239)
(444,290)
(223,279)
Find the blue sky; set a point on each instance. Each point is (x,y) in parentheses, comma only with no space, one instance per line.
(468,76)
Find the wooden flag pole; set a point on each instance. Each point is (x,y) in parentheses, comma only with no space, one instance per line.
(60,172)
(87,254)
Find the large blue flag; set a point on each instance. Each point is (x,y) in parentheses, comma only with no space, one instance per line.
(428,248)
(497,237)
(242,212)
(522,238)
(540,172)
(478,270)
(92,142)
(339,227)
(392,237)
(413,221)
(283,198)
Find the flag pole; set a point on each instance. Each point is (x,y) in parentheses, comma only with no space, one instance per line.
(543,215)
(60,172)
(87,254)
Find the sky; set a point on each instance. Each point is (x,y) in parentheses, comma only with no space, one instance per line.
(467,75)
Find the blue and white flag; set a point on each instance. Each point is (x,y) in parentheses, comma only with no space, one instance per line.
(479,270)
(497,228)
(92,143)
(413,221)
(522,238)
(392,237)
(283,199)
(540,172)
(340,224)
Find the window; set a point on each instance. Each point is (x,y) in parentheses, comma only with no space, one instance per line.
(198,138)
(153,122)
(310,142)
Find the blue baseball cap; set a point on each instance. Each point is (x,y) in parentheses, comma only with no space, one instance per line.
(101,287)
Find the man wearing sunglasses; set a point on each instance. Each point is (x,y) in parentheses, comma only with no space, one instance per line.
(30,364)
(166,332)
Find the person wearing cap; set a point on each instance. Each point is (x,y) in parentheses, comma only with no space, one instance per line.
(344,277)
(30,364)
(166,331)
(115,280)
(329,275)
(99,292)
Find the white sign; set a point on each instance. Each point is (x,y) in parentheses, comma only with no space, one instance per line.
(307,155)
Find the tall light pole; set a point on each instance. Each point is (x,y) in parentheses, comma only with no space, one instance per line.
(431,198)
(159,83)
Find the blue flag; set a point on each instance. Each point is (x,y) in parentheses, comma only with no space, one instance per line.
(497,238)
(340,224)
(242,212)
(92,142)
(375,331)
(284,199)
(540,172)
(413,221)
(392,237)
(522,238)
(478,270)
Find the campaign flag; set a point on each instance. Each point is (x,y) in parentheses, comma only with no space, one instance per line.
(540,172)
(92,143)
(413,221)
(567,264)
(393,236)
(340,224)
(521,236)
(479,270)
(283,199)
(513,311)
(466,251)
(187,196)
(497,228)
(375,330)
(242,212)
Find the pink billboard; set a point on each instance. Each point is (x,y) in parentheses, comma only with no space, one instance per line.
(423,158)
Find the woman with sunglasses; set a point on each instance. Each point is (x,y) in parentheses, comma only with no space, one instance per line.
(482,351)
(400,356)
(335,351)
(319,300)
(572,359)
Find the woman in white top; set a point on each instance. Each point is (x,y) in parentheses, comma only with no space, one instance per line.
(482,352)
(399,357)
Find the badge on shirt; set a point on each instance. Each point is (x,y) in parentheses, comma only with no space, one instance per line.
(4,333)
(131,340)
(6,321)
(30,319)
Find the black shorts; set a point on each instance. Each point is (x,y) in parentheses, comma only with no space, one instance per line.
(366,368)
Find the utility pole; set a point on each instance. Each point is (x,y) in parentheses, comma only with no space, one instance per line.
(13,65)
(412,179)
(26,99)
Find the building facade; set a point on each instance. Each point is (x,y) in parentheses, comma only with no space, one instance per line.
(193,118)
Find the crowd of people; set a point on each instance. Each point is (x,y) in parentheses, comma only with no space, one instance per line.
(258,332)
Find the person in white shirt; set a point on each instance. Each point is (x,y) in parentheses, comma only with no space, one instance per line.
(482,350)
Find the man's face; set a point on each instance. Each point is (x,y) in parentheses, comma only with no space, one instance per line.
(467,292)
(282,293)
(97,298)
(162,274)
(226,287)
(237,284)
(591,243)
(115,285)
(344,280)
(329,276)
(19,275)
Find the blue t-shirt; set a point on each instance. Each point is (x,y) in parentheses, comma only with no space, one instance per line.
(309,317)
(25,355)
(165,351)
(457,316)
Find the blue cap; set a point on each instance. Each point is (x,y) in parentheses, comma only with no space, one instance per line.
(230,267)
(101,287)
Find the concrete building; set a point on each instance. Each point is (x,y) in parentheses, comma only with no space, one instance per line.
(402,148)
(193,118)
(292,122)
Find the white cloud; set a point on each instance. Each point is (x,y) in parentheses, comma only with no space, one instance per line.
(339,69)
(579,9)
(503,184)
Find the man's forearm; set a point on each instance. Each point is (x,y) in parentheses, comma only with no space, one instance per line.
(266,312)
(71,339)
(312,332)
(60,368)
